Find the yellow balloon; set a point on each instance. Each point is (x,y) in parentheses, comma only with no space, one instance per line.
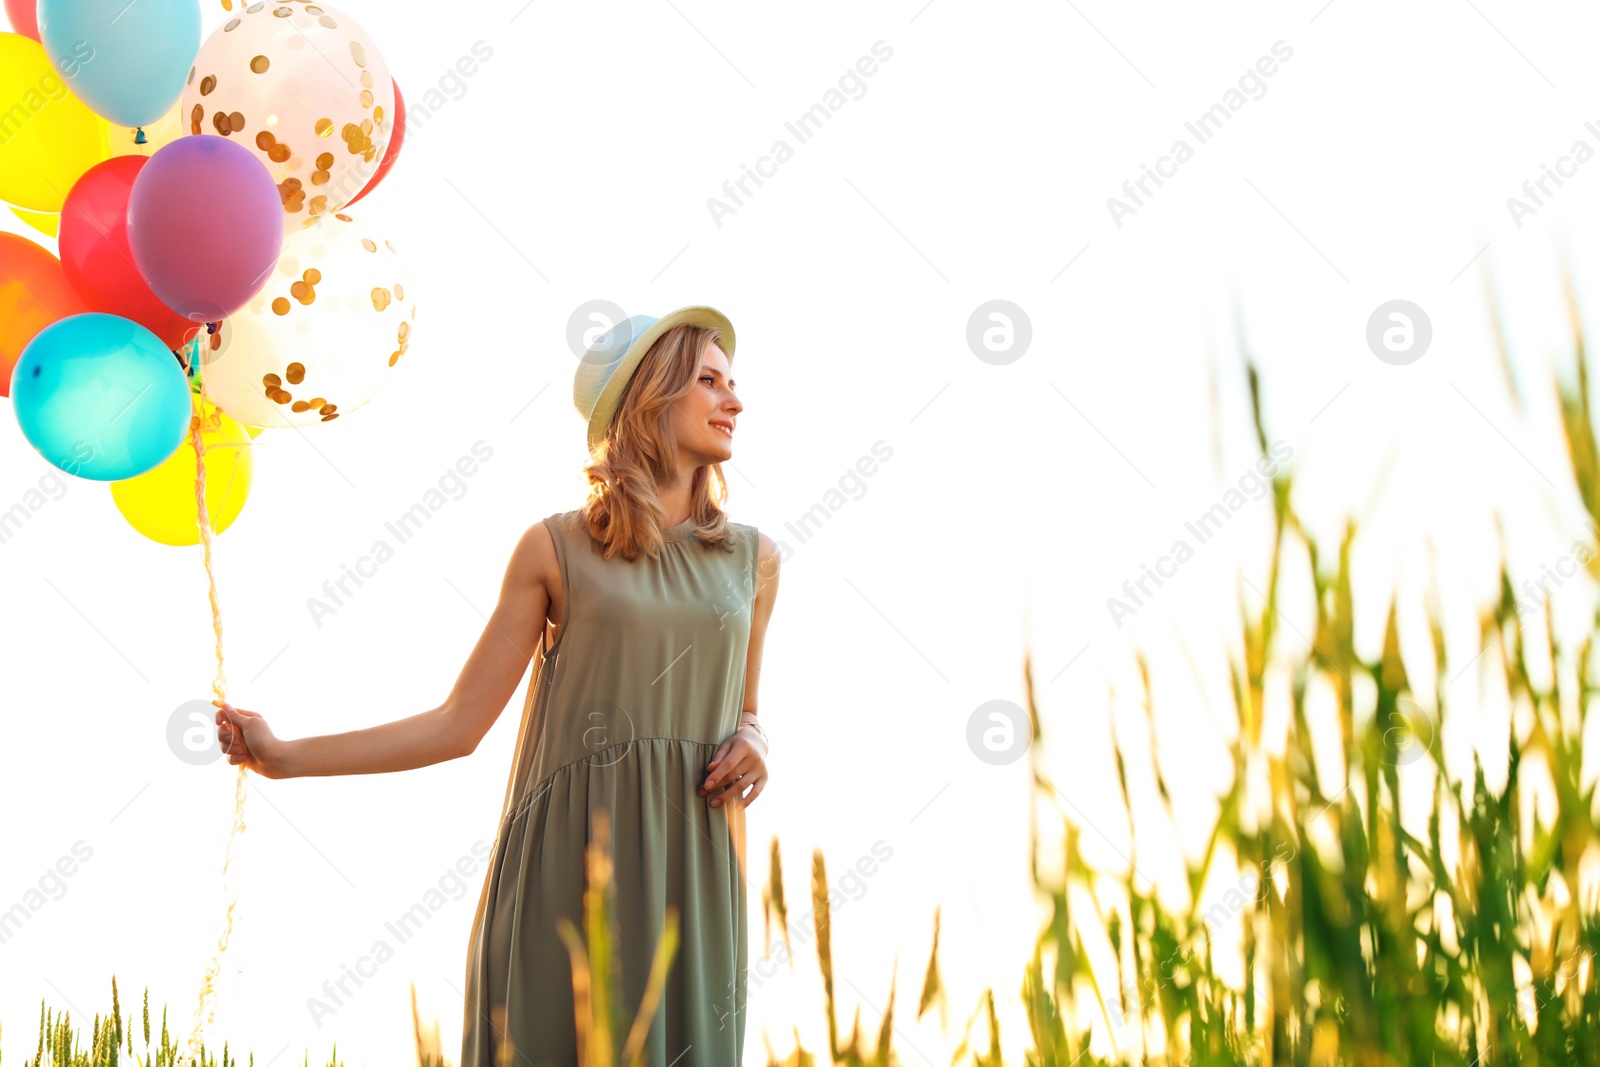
(160,502)
(50,136)
(43,221)
(158,134)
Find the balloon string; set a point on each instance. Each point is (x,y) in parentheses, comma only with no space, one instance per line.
(205,1010)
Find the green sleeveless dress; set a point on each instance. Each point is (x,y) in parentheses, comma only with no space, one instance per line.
(624,712)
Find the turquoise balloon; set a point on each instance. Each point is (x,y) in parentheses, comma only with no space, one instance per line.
(127,61)
(100,396)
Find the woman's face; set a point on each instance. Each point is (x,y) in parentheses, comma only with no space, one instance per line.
(704,419)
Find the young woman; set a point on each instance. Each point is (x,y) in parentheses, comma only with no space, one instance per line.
(643,705)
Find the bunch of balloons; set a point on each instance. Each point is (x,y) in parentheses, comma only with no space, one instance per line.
(210,282)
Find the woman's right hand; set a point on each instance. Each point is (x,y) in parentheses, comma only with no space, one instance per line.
(245,738)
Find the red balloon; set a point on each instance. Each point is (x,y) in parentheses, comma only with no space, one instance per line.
(96,256)
(33,294)
(396,136)
(24,16)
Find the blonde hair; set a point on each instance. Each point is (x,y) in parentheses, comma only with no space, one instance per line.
(623,510)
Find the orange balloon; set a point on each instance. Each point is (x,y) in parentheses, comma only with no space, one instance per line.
(34,292)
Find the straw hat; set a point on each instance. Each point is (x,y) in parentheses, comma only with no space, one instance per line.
(607,366)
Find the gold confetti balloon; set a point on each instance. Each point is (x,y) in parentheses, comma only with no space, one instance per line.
(323,335)
(304,87)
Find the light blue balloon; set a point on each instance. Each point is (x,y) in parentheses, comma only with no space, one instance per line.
(100,396)
(126,59)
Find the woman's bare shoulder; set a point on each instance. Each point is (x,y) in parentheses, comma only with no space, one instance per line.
(535,556)
(766,548)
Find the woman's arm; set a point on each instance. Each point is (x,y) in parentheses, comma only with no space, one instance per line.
(449,731)
(740,764)
(402,745)
(500,659)
(761,614)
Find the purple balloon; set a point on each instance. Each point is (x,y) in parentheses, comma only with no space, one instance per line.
(205,225)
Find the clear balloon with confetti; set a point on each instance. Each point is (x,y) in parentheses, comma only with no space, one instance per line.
(305,88)
(322,337)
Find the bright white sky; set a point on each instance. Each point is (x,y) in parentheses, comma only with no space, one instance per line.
(575,164)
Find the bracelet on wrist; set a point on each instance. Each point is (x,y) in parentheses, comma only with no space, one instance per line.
(753,724)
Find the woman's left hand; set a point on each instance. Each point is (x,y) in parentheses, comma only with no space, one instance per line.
(739,769)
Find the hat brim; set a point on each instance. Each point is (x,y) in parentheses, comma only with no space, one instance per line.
(611,395)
